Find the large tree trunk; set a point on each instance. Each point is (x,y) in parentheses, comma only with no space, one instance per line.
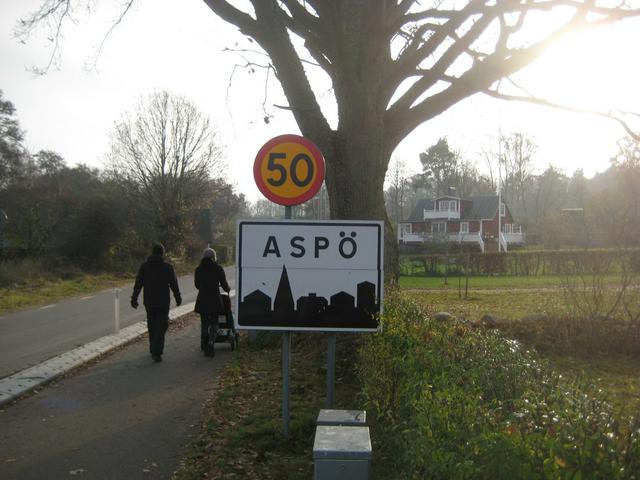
(358,153)
(355,176)
(357,158)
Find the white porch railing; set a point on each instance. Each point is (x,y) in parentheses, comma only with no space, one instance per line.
(514,238)
(412,237)
(445,214)
(428,237)
(503,242)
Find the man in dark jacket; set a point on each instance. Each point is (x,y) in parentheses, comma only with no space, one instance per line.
(156,277)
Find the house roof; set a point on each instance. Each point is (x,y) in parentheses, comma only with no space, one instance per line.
(417,215)
(482,207)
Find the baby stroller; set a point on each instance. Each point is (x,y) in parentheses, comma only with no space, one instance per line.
(226,331)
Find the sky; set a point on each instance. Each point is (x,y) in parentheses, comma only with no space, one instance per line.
(182,47)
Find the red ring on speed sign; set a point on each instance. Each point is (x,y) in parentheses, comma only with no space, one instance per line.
(289,169)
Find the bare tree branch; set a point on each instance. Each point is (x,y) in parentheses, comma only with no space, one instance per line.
(114,24)
(286,62)
(53,12)
(169,151)
(611,115)
(56,14)
(231,14)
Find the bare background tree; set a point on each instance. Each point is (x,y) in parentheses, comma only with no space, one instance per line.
(515,165)
(166,151)
(398,190)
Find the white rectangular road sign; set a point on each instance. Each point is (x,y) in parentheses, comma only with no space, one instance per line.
(309,275)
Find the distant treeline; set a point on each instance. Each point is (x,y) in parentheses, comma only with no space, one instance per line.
(153,187)
(556,210)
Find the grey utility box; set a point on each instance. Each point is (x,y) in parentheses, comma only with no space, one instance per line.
(341,453)
(351,418)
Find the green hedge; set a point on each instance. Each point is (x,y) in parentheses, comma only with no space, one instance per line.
(450,401)
(524,263)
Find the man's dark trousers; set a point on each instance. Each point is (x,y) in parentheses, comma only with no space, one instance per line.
(157,323)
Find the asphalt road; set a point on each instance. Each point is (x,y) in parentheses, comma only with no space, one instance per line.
(123,417)
(33,336)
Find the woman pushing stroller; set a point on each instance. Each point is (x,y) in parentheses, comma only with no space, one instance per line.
(209,277)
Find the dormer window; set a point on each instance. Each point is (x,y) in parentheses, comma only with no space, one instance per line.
(503,210)
(447,206)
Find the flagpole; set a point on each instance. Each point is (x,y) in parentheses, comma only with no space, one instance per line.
(499,217)
(499,183)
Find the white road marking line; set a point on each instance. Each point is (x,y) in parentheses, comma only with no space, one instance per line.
(48,306)
(87,298)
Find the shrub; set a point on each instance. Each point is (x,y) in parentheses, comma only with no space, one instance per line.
(451,401)
(35,271)
(594,318)
(529,263)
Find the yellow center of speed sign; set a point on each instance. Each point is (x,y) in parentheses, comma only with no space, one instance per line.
(289,169)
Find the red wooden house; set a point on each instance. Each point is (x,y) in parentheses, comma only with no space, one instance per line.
(471,220)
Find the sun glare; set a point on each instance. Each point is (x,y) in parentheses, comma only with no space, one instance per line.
(598,70)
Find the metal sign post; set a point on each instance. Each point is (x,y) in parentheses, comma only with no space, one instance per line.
(331,368)
(288,170)
(286,375)
(305,275)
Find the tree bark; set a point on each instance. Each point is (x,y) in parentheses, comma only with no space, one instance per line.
(356,168)
(357,160)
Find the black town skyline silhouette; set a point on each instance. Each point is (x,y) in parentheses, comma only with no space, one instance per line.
(341,310)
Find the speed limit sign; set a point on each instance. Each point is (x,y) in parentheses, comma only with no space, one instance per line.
(289,169)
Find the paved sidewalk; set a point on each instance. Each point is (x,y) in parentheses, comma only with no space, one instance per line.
(22,382)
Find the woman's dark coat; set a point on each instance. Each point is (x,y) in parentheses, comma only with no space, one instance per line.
(208,278)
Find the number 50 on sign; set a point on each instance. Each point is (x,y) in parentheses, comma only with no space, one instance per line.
(289,169)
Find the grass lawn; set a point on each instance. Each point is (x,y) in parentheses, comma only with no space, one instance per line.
(34,288)
(43,292)
(506,306)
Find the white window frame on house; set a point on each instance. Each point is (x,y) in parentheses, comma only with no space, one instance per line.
(464,227)
(438,229)
(503,209)
(451,206)
(405,228)
(507,228)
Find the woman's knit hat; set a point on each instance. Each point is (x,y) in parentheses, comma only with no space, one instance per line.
(209,253)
